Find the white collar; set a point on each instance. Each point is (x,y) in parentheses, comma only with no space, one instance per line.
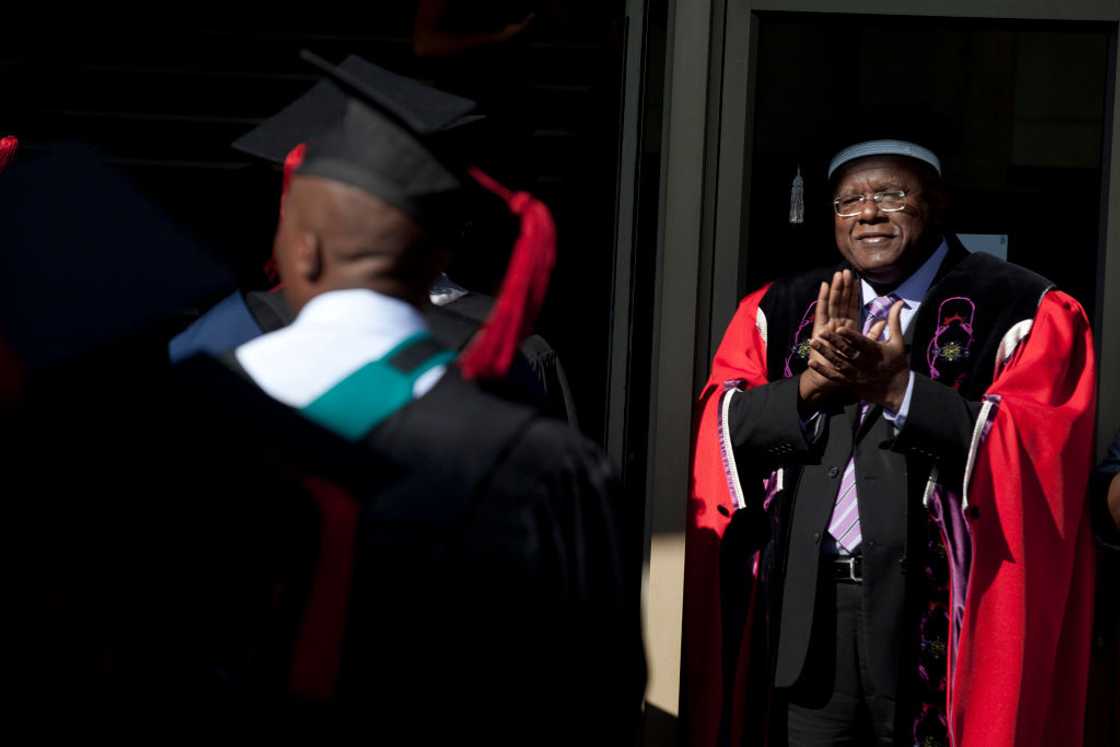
(335,334)
(913,289)
(362,311)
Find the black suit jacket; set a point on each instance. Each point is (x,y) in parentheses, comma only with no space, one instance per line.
(892,471)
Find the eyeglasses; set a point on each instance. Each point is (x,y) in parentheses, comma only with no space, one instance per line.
(849,206)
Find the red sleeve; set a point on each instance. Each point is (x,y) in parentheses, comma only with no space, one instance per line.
(741,357)
(1024,646)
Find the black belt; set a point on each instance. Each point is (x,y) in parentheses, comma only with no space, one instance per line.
(847,569)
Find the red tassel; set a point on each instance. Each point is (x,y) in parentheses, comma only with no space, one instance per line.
(291,162)
(8,147)
(523,289)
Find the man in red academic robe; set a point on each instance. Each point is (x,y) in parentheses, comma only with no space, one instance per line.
(888,541)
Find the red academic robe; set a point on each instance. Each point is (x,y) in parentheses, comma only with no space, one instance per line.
(1019,664)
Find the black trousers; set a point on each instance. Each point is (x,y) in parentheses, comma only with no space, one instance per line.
(834,702)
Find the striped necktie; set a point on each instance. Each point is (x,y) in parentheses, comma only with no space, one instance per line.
(844,525)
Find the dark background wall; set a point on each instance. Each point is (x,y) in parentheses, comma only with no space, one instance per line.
(165,101)
(1016,111)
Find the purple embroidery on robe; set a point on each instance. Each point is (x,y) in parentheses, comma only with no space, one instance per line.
(948,562)
(800,346)
(952,340)
(933,643)
(770,488)
(930,727)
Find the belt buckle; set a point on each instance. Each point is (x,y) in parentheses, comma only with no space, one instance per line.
(850,561)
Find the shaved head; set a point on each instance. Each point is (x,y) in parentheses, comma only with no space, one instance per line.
(334,237)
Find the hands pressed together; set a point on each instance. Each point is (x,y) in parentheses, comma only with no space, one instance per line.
(845,363)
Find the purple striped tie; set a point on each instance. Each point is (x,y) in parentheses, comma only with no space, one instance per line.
(844,525)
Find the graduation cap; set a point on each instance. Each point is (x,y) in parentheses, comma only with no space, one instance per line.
(88,260)
(282,138)
(432,111)
(385,145)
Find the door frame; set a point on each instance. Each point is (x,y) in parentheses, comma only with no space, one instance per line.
(703,246)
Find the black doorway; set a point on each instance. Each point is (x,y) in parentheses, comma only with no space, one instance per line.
(1016,109)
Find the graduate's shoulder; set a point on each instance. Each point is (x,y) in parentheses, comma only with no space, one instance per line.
(545,436)
(517,454)
(555,458)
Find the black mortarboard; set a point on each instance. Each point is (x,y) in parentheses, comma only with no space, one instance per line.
(282,138)
(385,146)
(430,110)
(392,143)
(88,261)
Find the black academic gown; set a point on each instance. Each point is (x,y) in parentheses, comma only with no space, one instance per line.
(489,595)
(166,541)
(493,593)
(495,581)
